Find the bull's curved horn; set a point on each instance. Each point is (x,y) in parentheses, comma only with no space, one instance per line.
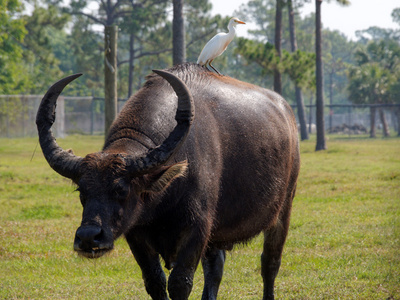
(63,162)
(184,117)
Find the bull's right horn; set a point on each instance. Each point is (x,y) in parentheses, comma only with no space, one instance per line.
(63,162)
(184,117)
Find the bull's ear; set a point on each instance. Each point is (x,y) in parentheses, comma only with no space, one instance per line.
(159,181)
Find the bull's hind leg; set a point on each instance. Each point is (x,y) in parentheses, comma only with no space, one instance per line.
(274,240)
(213,268)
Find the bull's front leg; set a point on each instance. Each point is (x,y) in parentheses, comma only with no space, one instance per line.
(149,262)
(180,282)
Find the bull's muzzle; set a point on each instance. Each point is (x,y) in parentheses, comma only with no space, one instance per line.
(92,241)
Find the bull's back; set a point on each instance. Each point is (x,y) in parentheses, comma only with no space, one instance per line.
(253,138)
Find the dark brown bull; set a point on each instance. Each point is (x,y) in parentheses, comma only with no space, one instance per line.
(188,189)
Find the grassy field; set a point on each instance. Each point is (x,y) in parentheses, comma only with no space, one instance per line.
(344,240)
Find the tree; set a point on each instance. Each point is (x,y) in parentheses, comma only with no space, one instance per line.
(297,65)
(321,143)
(42,26)
(298,93)
(109,15)
(135,41)
(178,34)
(338,55)
(12,33)
(369,84)
(319,76)
(278,41)
(85,54)
(394,91)
(141,35)
(374,79)
(377,34)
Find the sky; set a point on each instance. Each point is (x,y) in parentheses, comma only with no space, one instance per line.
(360,15)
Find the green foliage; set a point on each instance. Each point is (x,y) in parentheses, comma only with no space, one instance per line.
(343,2)
(263,54)
(12,33)
(68,38)
(369,84)
(84,55)
(378,34)
(299,66)
(343,239)
(376,76)
(43,25)
(262,13)
(396,15)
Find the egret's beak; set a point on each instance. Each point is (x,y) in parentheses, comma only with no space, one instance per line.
(240,22)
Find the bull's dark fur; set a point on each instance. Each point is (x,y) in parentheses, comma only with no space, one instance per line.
(233,177)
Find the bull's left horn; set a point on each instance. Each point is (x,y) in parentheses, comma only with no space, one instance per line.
(184,117)
(63,162)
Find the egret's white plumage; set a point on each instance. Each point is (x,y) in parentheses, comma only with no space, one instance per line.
(217,45)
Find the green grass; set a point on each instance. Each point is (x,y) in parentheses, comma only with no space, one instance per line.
(343,243)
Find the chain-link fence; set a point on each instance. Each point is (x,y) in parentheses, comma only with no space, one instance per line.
(353,118)
(85,115)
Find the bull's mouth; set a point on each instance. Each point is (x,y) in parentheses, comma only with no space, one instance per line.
(94,252)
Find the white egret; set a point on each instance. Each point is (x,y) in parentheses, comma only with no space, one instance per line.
(217,45)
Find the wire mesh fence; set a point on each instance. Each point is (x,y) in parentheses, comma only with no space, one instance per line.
(85,115)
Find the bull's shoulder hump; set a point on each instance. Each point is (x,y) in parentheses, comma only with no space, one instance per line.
(235,91)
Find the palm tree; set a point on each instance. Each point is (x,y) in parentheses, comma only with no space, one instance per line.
(375,78)
(369,84)
(321,145)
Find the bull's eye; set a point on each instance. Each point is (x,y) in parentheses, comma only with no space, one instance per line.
(81,197)
(83,200)
(121,190)
(121,194)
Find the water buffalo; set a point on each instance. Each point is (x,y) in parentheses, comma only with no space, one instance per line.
(185,188)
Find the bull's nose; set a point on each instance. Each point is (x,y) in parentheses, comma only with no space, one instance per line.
(88,237)
(87,233)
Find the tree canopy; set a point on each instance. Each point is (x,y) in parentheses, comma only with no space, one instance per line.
(50,40)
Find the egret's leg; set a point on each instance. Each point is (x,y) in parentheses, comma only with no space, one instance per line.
(207,65)
(214,68)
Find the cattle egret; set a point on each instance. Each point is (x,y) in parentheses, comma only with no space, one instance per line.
(217,45)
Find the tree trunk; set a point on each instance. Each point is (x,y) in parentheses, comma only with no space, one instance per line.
(292,27)
(131,64)
(301,113)
(110,76)
(178,34)
(319,76)
(278,39)
(331,100)
(372,132)
(310,116)
(397,114)
(299,95)
(386,131)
